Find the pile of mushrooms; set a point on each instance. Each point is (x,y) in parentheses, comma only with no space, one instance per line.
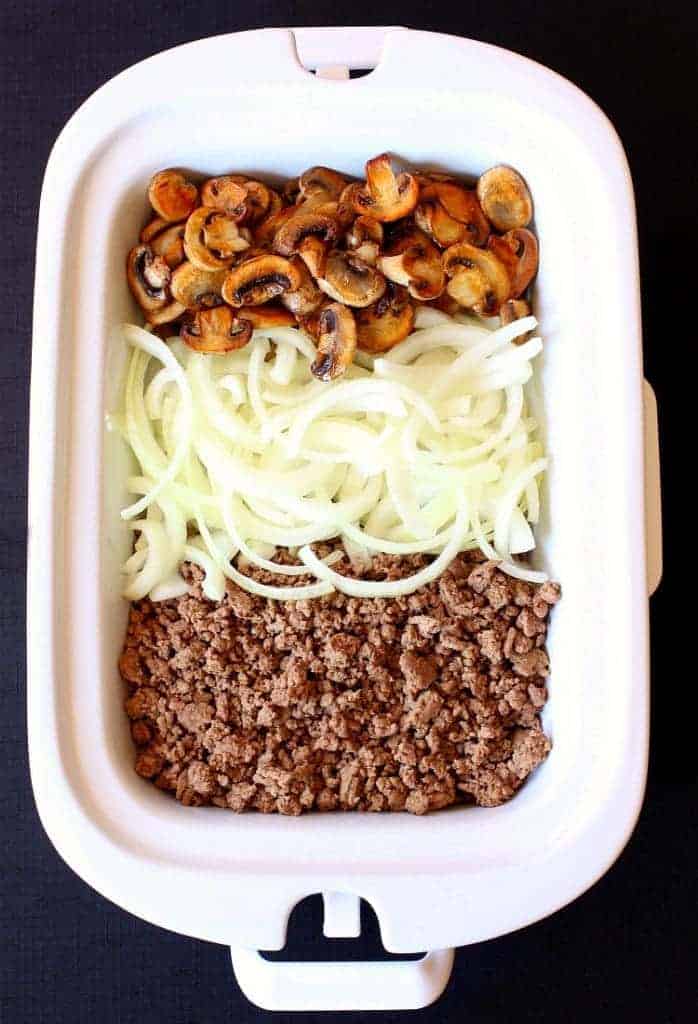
(346,260)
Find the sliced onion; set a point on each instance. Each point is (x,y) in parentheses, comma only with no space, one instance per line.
(393,588)
(153,346)
(260,455)
(284,363)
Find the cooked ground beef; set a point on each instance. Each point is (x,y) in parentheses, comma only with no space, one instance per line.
(343,703)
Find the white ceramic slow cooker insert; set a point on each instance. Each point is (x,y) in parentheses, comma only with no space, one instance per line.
(250,102)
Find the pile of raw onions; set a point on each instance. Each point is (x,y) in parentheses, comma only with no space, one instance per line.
(429,448)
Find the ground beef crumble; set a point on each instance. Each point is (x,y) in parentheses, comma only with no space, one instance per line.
(343,703)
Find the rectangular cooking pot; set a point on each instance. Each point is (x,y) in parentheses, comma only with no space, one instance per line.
(250,102)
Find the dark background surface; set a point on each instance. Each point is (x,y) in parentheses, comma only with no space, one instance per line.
(626,949)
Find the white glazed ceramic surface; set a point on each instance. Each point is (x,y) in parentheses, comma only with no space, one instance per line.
(247,103)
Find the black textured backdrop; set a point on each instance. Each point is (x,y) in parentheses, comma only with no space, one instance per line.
(625,950)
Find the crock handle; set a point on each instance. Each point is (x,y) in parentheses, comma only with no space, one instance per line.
(320,49)
(342,985)
(653,492)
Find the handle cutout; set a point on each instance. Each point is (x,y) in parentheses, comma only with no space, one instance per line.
(306,943)
(353,52)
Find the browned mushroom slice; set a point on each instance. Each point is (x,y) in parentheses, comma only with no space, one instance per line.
(365,238)
(313,252)
(195,288)
(321,180)
(153,228)
(451,214)
(225,193)
(346,211)
(291,190)
(265,231)
(260,280)
(504,249)
(428,178)
(446,304)
(387,196)
(477,279)
(306,298)
(269,315)
(291,235)
(212,238)
(216,330)
(381,326)
(524,245)
(400,236)
(311,323)
(515,309)
(504,198)
(331,208)
(148,277)
(172,196)
(431,218)
(166,315)
(276,204)
(259,202)
(416,264)
(170,245)
(348,279)
(336,342)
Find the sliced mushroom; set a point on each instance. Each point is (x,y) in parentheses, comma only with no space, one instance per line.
(269,315)
(266,230)
(387,196)
(450,214)
(260,280)
(524,245)
(170,245)
(504,198)
(446,304)
(400,236)
(313,252)
(311,323)
(515,309)
(225,193)
(195,288)
(212,238)
(259,202)
(425,178)
(336,342)
(414,261)
(340,213)
(346,211)
(321,180)
(153,228)
(381,326)
(276,204)
(477,279)
(291,235)
(291,190)
(148,278)
(166,315)
(348,279)
(216,330)
(365,238)
(319,192)
(307,297)
(504,249)
(172,196)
